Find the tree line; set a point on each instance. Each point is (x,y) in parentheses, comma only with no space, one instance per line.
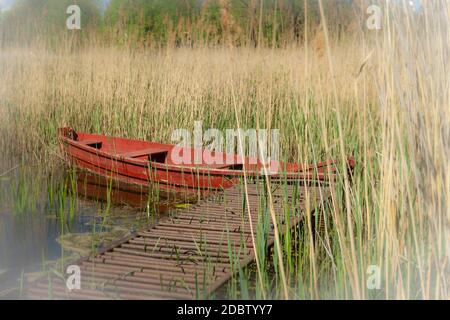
(176,22)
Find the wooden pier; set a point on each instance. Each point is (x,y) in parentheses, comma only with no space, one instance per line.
(190,253)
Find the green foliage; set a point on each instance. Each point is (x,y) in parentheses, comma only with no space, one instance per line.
(148,18)
(177,22)
(256,22)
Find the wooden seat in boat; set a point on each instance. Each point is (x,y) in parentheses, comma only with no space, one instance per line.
(154,154)
(143,152)
(92,143)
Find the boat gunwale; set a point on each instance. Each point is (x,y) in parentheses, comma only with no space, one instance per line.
(200,170)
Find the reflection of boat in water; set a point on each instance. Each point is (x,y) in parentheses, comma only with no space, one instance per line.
(140,162)
(96,187)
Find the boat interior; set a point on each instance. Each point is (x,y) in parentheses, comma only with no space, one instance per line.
(154,152)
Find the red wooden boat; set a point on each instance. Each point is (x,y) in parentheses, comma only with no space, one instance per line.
(140,162)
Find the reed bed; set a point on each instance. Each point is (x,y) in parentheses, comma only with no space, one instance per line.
(381,96)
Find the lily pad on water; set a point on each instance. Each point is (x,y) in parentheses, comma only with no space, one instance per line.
(81,243)
(84,243)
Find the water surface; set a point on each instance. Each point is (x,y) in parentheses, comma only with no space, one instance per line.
(50,217)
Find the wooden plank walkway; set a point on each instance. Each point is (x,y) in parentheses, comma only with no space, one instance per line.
(185,255)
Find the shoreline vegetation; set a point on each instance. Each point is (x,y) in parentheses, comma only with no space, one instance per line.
(381,96)
(173,23)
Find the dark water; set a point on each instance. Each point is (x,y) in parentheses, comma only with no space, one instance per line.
(49,217)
